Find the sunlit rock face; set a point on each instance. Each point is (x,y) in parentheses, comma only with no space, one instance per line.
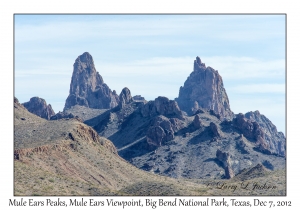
(87,87)
(39,107)
(204,89)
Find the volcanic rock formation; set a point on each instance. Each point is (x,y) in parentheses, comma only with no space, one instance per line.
(224,157)
(209,142)
(204,88)
(62,115)
(162,106)
(138,98)
(259,129)
(39,107)
(87,87)
(162,129)
(125,97)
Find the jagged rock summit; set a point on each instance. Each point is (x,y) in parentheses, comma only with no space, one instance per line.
(39,107)
(87,87)
(125,97)
(204,89)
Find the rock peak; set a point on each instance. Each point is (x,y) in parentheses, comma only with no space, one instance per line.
(198,60)
(84,56)
(198,64)
(87,87)
(204,89)
(125,97)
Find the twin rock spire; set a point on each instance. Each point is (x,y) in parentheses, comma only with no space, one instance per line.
(203,88)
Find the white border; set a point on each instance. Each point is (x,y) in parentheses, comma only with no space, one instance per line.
(8,8)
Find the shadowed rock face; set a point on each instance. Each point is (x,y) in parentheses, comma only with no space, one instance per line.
(87,87)
(162,129)
(62,115)
(125,97)
(204,88)
(39,107)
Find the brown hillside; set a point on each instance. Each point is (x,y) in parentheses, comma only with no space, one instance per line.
(67,157)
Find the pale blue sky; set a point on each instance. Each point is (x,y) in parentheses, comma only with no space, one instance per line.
(153,55)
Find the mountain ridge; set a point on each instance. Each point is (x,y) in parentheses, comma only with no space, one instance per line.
(194,136)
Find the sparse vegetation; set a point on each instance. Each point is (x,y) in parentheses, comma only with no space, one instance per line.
(52,166)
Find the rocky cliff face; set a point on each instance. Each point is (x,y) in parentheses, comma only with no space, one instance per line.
(259,129)
(204,88)
(87,87)
(39,107)
(271,141)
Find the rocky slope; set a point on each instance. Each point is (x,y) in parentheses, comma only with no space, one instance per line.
(87,87)
(205,140)
(204,89)
(39,107)
(67,157)
(158,137)
(195,136)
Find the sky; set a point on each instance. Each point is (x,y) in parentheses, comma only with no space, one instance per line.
(153,55)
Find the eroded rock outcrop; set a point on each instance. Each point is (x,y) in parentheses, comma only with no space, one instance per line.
(125,97)
(138,98)
(39,107)
(241,144)
(162,130)
(204,88)
(224,157)
(250,129)
(197,123)
(259,129)
(62,115)
(215,130)
(161,106)
(272,140)
(87,87)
